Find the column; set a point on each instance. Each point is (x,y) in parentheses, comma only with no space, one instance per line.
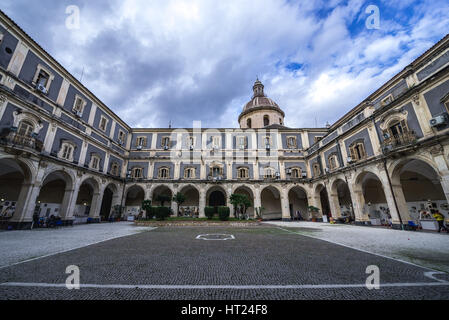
(68,205)
(333,202)
(95,206)
(26,203)
(358,203)
(202,203)
(400,200)
(285,206)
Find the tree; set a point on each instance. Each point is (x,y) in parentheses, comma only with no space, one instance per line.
(179,198)
(146,205)
(240,202)
(162,198)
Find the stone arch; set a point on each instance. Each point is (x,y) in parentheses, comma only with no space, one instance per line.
(249,192)
(191,206)
(217,199)
(416,184)
(133,197)
(298,202)
(111,198)
(369,196)
(321,200)
(16,177)
(340,195)
(271,202)
(162,190)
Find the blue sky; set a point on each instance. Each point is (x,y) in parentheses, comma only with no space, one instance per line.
(156,61)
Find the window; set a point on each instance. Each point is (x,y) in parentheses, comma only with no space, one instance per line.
(78,105)
(386,100)
(317,139)
(94,162)
(333,162)
(137,173)
(103,123)
(189,173)
(216,171)
(121,136)
(248,123)
(267,141)
(266,121)
(269,173)
(296,173)
(66,151)
(115,169)
(280,121)
(165,142)
(357,151)
(216,142)
(242,142)
(164,173)
(316,169)
(291,143)
(398,128)
(25,129)
(141,141)
(42,78)
(242,173)
(191,142)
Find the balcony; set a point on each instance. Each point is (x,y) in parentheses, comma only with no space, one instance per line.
(398,141)
(13,139)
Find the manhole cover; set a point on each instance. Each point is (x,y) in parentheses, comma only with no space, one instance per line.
(215,237)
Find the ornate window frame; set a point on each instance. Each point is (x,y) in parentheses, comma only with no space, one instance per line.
(298,170)
(81,106)
(269,173)
(137,172)
(51,77)
(216,142)
(165,142)
(121,136)
(217,166)
(239,145)
(163,172)
(189,173)
(387,100)
(316,169)
(67,150)
(95,160)
(20,116)
(115,169)
(141,141)
(292,145)
(243,173)
(333,162)
(357,145)
(106,121)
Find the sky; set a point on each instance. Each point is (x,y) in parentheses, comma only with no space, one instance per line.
(174,61)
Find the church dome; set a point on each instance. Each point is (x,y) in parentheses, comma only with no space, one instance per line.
(258,105)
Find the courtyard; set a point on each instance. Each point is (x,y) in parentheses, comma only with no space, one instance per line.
(279,261)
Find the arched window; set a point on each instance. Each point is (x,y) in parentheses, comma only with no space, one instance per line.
(316,169)
(269,173)
(266,121)
(66,151)
(248,123)
(94,162)
(296,173)
(189,173)
(164,173)
(333,162)
(242,173)
(398,129)
(115,169)
(137,173)
(25,129)
(357,151)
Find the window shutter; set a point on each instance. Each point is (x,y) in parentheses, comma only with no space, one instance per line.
(362,150)
(404,126)
(353,153)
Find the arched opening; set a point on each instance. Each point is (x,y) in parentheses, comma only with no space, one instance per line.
(249,194)
(321,194)
(107,202)
(134,198)
(13,178)
(341,195)
(298,204)
(162,196)
(266,121)
(55,195)
(271,202)
(417,187)
(216,197)
(248,123)
(191,205)
(87,202)
(370,196)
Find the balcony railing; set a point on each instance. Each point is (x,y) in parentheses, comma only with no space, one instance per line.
(14,139)
(397,141)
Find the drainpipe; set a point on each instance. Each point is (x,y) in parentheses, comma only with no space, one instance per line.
(388,177)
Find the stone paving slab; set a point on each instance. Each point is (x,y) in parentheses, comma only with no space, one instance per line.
(256,257)
(17,246)
(427,249)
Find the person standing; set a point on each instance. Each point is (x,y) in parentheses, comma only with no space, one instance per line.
(440,219)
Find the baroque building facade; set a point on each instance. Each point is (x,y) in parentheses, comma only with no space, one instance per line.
(64,152)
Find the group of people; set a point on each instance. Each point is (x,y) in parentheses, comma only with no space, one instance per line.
(437,215)
(48,222)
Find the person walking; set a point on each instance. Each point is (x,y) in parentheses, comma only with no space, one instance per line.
(440,219)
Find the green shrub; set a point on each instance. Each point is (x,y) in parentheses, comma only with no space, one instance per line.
(209,212)
(161,212)
(223,213)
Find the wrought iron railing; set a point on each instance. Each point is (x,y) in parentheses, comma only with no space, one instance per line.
(14,139)
(397,141)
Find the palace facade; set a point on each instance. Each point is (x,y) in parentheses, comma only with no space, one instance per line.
(64,152)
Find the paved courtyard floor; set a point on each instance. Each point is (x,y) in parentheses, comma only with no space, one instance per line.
(265,262)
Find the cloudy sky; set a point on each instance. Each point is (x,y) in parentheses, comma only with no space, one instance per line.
(153,62)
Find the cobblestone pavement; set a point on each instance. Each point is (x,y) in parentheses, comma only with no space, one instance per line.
(257,257)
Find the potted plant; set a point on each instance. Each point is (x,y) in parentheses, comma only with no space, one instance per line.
(146,205)
(313,211)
